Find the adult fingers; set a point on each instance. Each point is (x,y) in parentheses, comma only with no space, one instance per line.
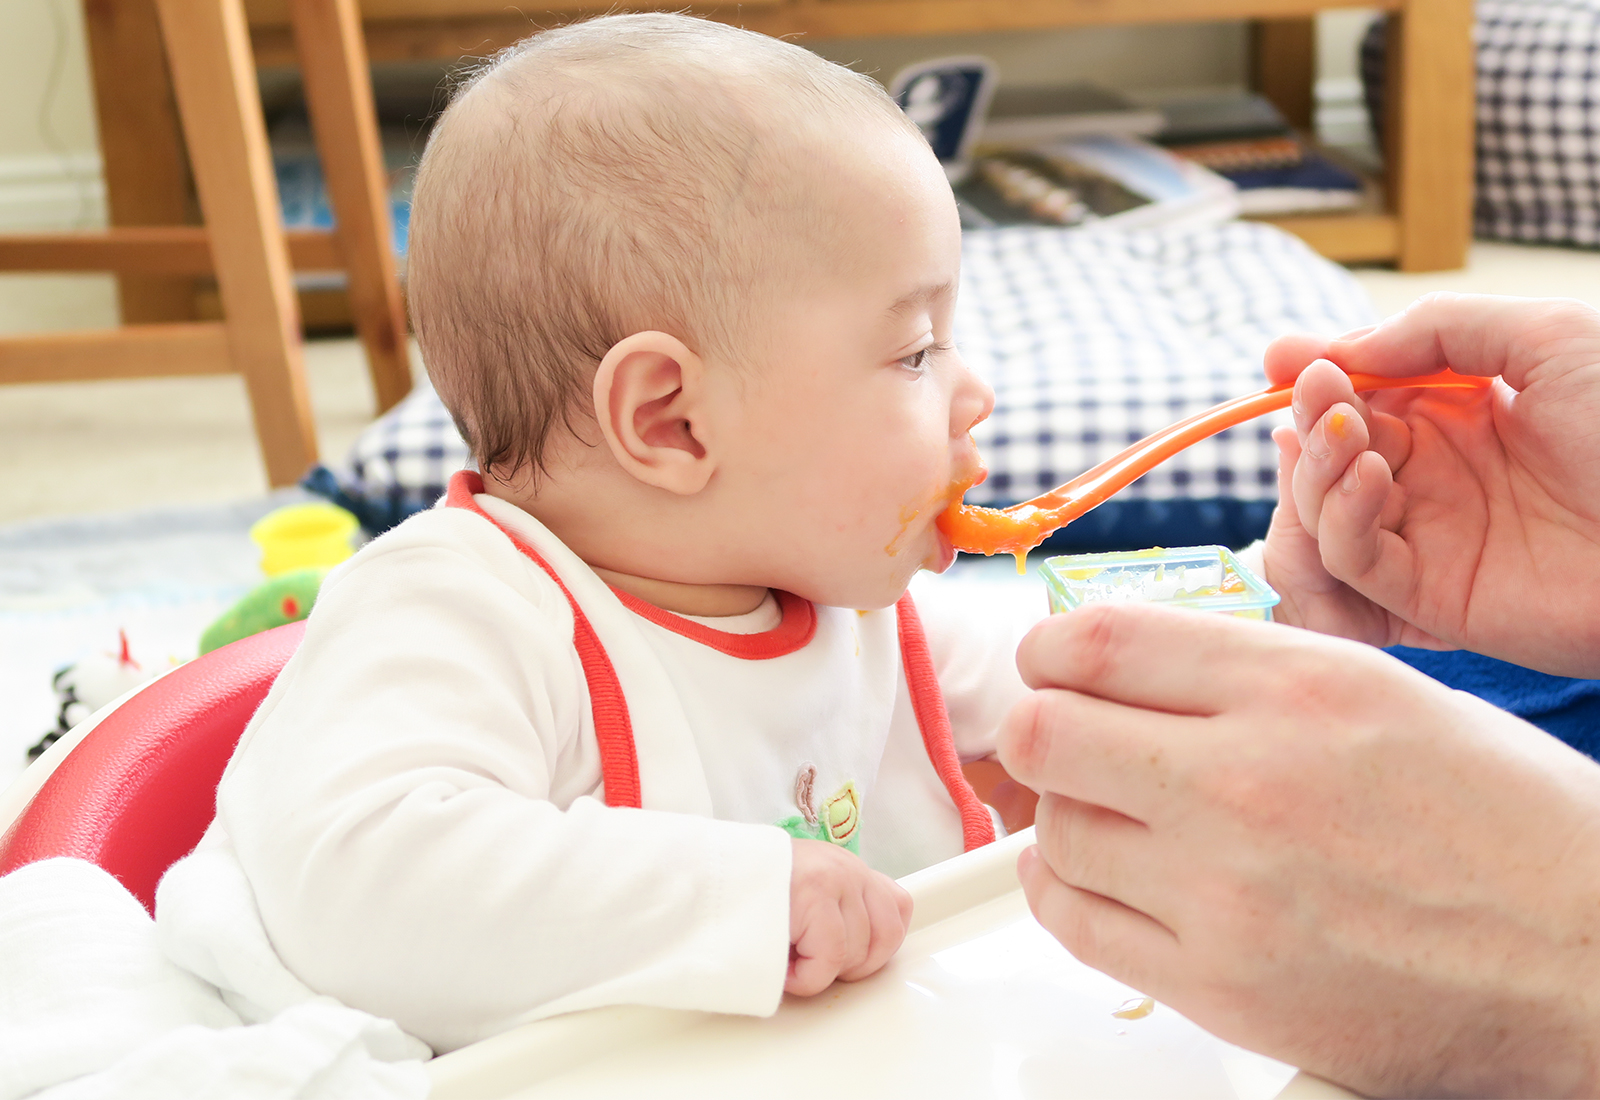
(1327,451)
(1092,750)
(1163,658)
(1475,334)
(1391,438)
(1319,388)
(1107,935)
(1104,852)
(1288,355)
(889,912)
(1357,546)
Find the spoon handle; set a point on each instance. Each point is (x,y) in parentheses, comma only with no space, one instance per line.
(1017,529)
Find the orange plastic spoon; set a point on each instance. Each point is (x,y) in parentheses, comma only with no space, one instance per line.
(1020,528)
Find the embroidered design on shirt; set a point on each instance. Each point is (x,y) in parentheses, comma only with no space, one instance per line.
(804,793)
(841,817)
(837,820)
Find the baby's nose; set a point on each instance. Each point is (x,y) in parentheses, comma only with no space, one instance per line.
(973,404)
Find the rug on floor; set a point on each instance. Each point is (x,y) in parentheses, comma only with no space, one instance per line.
(68,586)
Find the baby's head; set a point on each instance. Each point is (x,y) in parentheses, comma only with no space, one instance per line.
(702,278)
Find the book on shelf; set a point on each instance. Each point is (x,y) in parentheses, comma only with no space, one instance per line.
(1104,181)
(1243,137)
(1221,116)
(1022,115)
(1279,175)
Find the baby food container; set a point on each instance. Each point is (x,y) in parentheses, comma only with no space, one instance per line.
(1206,578)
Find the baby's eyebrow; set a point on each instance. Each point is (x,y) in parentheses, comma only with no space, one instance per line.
(919,297)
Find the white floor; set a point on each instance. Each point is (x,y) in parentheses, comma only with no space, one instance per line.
(110,446)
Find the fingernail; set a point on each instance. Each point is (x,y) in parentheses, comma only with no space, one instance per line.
(1352,478)
(1317,442)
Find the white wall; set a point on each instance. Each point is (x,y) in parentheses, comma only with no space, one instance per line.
(49,159)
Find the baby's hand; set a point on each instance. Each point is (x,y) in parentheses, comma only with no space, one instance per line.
(845,919)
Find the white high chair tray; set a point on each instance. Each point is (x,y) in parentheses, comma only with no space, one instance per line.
(979,1002)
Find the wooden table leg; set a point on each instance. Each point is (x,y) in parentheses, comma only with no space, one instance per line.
(208,51)
(1283,67)
(338,87)
(1428,132)
(141,145)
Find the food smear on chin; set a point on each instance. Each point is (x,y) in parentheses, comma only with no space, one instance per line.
(943,498)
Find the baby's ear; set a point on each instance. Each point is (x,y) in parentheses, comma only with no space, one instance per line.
(649,396)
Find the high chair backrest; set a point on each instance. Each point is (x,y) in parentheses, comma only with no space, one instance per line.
(136,794)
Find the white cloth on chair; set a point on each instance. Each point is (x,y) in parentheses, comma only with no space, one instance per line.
(96,1002)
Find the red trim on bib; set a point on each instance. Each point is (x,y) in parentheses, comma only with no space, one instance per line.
(927,702)
(613,729)
(795,631)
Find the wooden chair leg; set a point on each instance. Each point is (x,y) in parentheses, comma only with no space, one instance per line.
(141,145)
(338,87)
(213,74)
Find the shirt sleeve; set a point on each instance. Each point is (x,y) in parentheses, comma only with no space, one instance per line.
(973,630)
(416,806)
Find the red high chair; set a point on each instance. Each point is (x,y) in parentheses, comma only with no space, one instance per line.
(135,795)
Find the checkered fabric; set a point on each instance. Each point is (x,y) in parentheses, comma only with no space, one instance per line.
(400,464)
(1091,339)
(1538,151)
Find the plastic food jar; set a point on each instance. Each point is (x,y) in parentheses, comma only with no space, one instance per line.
(1206,578)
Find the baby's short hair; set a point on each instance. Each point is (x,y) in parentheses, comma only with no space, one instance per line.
(605,178)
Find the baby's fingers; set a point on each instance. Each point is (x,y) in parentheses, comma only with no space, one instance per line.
(1327,450)
(889,910)
(817,952)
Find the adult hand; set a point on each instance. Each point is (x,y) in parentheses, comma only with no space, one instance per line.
(1314,851)
(1447,518)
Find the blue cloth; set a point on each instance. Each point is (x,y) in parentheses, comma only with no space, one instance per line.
(1566,708)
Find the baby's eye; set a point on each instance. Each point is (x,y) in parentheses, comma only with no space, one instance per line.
(916,361)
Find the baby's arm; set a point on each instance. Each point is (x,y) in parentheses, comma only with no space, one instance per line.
(412,810)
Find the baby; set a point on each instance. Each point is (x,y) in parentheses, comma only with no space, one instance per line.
(641,713)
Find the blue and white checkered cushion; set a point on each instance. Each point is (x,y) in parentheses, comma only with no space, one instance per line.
(1538,116)
(1091,339)
(400,463)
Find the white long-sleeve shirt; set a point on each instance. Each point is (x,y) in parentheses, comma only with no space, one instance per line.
(418,809)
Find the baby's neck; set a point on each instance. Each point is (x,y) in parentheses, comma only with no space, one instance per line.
(709,600)
(599,533)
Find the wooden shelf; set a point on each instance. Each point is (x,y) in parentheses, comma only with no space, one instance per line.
(1347,238)
(1426,224)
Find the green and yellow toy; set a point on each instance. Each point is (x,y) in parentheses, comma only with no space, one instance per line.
(286,598)
(299,544)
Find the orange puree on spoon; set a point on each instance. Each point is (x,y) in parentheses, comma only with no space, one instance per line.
(1020,528)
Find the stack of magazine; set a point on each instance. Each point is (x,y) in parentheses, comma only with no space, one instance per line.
(1053,156)
(1082,156)
(1243,137)
(1108,180)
